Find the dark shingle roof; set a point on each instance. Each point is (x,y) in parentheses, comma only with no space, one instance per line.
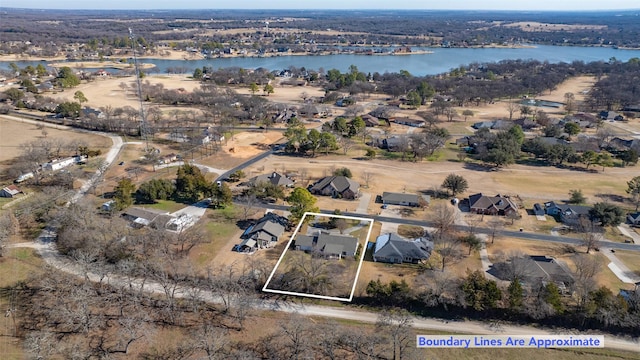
(392,245)
(338,183)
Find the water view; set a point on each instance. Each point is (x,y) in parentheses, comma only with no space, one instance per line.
(439,61)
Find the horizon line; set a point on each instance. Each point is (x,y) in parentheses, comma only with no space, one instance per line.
(327,9)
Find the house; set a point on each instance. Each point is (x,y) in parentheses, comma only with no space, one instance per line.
(328,245)
(410,122)
(634,108)
(634,218)
(391,248)
(273,178)
(213,134)
(91,112)
(390,198)
(101,73)
(538,210)
(59,164)
(569,214)
(493,125)
(141,217)
(169,158)
(264,233)
(483,124)
(492,205)
(370,120)
(180,223)
(533,270)
(336,186)
(46,86)
(10,191)
(463,141)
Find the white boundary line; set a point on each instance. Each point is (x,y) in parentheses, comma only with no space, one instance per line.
(355,281)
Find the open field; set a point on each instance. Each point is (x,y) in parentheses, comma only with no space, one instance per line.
(530,183)
(14,133)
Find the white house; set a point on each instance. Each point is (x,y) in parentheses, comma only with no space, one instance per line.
(59,164)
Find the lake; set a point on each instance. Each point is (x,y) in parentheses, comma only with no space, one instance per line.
(441,60)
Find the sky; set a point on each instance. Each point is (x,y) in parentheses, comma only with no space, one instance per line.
(552,5)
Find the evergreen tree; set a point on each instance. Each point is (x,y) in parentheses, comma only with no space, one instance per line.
(516,294)
(123,193)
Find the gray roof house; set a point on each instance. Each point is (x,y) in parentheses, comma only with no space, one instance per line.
(336,186)
(391,248)
(390,198)
(634,218)
(140,217)
(328,245)
(569,214)
(273,178)
(533,270)
(538,210)
(264,233)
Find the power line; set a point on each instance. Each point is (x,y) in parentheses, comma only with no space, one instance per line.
(143,123)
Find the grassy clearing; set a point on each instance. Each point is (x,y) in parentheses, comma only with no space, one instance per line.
(631,259)
(165,205)
(218,230)
(613,234)
(410,231)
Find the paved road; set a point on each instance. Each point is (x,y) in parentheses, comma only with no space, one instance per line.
(247,163)
(507,233)
(51,256)
(47,249)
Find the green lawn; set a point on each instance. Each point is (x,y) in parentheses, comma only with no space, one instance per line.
(165,205)
(219,229)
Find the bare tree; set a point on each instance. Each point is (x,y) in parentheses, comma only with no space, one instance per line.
(587,267)
(342,225)
(247,203)
(211,340)
(443,217)
(512,107)
(449,250)
(345,143)
(569,102)
(6,229)
(590,233)
(396,325)
(297,335)
(185,240)
(495,228)
(367,176)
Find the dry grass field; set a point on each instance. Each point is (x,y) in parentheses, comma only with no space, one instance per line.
(14,133)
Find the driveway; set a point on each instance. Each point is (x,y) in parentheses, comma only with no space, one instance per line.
(628,232)
(363,204)
(619,268)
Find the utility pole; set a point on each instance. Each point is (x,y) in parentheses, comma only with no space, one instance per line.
(143,123)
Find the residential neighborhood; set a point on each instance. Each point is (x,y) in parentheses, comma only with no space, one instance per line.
(311,184)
